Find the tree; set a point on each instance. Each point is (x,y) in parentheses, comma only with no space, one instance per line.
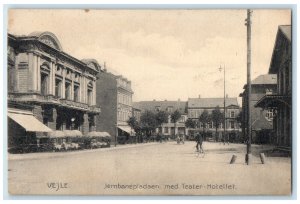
(134,124)
(204,118)
(217,118)
(148,122)
(175,117)
(190,123)
(161,117)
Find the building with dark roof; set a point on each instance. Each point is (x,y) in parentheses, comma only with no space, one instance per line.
(281,102)
(261,120)
(196,106)
(58,89)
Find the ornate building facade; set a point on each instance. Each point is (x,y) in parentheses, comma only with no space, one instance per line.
(57,88)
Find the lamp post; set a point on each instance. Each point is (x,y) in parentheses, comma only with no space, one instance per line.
(248,24)
(224,70)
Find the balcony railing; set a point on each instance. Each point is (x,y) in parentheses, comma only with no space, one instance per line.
(50,99)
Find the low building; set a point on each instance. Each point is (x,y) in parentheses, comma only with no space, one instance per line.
(281,102)
(169,128)
(114,94)
(58,89)
(261,120)
(196,106)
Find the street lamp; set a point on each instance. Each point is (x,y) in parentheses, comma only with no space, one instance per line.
(220,69)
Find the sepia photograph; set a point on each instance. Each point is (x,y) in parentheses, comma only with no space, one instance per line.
(152,102)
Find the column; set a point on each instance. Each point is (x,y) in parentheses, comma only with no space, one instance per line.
(63,88)
(94,92)
(50,89)
(52,121)
(72,87)
(16,80)
(38,73)
(80,88)
(30,72)
(53,77)
(34,73)
(85,125)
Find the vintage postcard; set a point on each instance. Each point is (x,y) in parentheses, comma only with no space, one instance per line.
(149,102)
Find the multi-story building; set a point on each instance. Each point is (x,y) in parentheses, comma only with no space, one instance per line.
(196,106)
(261,120)
(169,128)
(114,94)
(281,103)
(56,89)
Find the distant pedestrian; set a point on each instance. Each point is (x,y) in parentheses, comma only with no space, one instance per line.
(199,140)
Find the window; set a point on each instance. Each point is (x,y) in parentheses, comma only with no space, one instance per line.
(58,88)
(68,90)
(269,114)
(44,84)
(169,109)
(157,108)
(76,93)
(90,96)
(232,114)
(232,124)
(166,130)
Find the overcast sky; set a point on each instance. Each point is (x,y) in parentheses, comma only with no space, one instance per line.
(167,54)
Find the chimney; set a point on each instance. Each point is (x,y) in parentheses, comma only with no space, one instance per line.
(199,96)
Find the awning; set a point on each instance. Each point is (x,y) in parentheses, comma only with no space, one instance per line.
(29,122)
(98,134)
(127,129)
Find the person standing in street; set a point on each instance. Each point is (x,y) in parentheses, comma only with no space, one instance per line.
(199,140)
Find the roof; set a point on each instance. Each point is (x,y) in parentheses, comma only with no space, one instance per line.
(211,102)
(281,46)
(265,79)
(92,63)
(152,105)
(287,31)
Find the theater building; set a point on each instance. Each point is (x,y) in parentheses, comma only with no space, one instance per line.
(55,89)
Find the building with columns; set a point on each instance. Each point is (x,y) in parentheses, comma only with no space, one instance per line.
(57,88)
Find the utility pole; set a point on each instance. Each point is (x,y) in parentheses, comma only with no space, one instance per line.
(248,24)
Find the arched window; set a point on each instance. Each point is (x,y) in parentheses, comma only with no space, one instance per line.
(44,74)
(90,93)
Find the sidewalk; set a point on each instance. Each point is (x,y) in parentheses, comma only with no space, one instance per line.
(44,155)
